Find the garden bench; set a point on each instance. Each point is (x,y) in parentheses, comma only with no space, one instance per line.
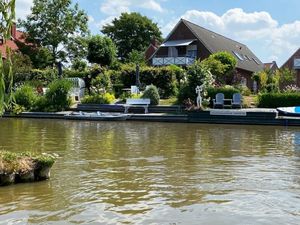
(140,102)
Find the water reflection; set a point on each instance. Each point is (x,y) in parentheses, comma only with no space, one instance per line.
(143,173)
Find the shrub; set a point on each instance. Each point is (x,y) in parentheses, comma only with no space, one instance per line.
(152,93)
(57,96)
(40,105)
(274,100)
(244,90)
(227,90)
(25,96)
(164,78)
(197,74)
(106,98)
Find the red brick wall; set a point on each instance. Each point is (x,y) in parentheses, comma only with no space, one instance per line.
(290,64)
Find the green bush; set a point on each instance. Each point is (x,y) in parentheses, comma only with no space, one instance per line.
(106,98)
(76,73)
(244,90)
(274,100)
(152,93)
(164,78)
(25,96)
(40,105)
(57,96)
(197,74)
(227,90)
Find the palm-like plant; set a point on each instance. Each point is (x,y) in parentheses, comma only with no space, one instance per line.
(7,16)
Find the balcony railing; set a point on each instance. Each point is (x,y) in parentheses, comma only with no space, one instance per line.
(162,61)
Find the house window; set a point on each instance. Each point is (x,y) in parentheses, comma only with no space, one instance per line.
(244,82)
(297,63)
(247,57)
(191,51)
(238,55)
(256,61)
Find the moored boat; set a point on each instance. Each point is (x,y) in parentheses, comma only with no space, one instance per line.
(97,116)
(289,111)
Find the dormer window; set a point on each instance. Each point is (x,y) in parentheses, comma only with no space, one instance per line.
(255,60)
(238,55)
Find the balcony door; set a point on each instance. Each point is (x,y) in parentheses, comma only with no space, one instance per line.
(172,52)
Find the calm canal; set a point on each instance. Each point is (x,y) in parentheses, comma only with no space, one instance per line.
(155,173)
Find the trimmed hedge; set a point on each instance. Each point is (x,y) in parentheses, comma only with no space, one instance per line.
(228,91)
(164,78)
(274,100)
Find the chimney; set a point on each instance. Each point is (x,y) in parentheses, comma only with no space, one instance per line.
(14,31)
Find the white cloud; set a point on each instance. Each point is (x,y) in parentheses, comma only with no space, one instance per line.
(152,5)
(23,8)
(115,7)
(91,19)
(258,30)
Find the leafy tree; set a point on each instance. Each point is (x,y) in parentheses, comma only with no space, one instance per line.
(136,57)
(222,66)
(197,74)
(285,77)
(40,57)
(79,65)
(101,50)
(132,31)
(56,25)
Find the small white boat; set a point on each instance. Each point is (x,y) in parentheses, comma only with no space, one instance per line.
(289,111)
(97,116)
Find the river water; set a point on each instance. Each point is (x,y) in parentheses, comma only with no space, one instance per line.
(155,173)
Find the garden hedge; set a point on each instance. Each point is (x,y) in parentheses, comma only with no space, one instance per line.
(274,100)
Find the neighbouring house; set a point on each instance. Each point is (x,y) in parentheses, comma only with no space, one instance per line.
(154,45)
(16,36)
(188,42)
(293,63)
(272,66)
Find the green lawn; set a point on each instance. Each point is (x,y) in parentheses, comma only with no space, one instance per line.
(169,101)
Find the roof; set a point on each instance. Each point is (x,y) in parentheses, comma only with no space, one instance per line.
(271,65)
(293,56)
(215,43)
(12,43)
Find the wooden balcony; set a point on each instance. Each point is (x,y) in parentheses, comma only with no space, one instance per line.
(163,61)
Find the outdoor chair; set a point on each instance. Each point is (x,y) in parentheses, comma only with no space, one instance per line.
(236,101)
(218,102)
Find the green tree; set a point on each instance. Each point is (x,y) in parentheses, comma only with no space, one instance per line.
(136,57)
(7,15)
(222,66)
(132,31)
(101,50)
(56,25)
(197,74)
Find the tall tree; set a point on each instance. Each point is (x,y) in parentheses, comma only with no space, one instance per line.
(101,50)
(222,66)
(132,31)
(7,15)
(56,25)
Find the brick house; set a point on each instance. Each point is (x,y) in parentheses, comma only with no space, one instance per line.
(188,42)
(16,36)
(293,63)
(272,66)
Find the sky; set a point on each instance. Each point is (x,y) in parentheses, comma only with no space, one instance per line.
(270,28)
